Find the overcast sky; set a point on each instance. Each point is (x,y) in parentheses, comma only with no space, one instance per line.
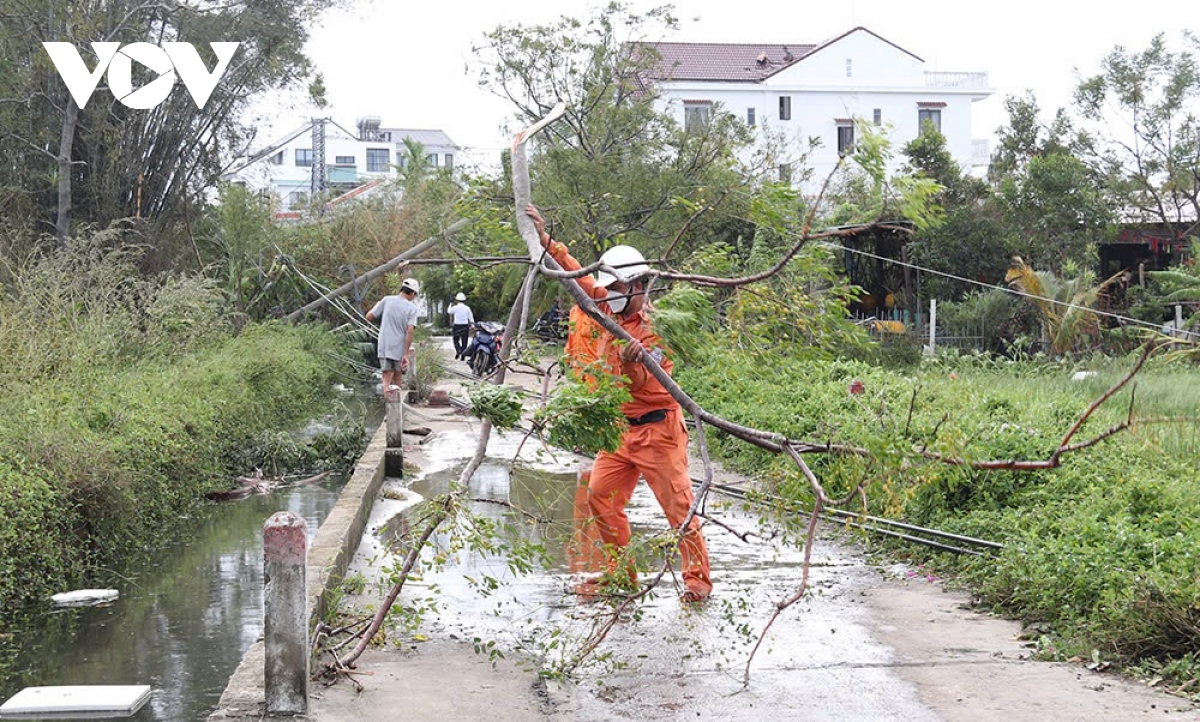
(409,62)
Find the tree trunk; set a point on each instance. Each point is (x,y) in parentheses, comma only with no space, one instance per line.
(62,219)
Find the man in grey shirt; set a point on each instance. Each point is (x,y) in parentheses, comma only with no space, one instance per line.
(397,316)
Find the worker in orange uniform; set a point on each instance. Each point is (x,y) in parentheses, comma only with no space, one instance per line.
(655,445)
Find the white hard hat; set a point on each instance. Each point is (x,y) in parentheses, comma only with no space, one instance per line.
(410,284)
(627,263)
(460,297)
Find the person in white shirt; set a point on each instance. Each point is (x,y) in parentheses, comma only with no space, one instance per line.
(397,315)
(461,319)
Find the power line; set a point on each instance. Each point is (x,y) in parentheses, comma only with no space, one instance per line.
(1016,292)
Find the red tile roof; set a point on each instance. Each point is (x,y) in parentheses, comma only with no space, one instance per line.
(749,62)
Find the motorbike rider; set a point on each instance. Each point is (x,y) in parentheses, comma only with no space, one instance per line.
(486,335)
(461,321)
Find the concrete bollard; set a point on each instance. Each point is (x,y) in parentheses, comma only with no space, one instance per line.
(393,460)
(393,401)
(285,547)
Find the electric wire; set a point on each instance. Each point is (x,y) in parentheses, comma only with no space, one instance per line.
(1126,320)
(864,522)
(352,314)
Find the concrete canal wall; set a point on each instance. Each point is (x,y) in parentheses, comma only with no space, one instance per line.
(329,555)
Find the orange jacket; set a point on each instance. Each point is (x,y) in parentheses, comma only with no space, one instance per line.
(582,339)
(648,394)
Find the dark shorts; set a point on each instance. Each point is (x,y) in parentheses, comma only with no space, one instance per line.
(389,364)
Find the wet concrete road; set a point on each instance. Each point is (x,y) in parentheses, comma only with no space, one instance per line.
(819,660)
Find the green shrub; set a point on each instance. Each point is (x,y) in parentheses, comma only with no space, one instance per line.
(102,461)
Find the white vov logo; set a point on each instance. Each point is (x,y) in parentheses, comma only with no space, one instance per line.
(118,61)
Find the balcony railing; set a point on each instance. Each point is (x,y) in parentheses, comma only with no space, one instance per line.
(956,80)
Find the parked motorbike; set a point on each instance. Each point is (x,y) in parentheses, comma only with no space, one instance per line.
(483,354)
(551,327)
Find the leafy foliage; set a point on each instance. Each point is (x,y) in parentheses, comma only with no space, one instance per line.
(614,169)
(147,442)
(1138,131)
(586,417)
(684,319)
(1100,550)
(1064,305)
(496,403)
(106,161)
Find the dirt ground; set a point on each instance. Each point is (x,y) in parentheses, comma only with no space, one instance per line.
(869,644)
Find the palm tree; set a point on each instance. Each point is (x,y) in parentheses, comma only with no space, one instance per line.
(1063,304)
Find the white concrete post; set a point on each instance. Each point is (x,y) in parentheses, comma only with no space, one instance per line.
(932,326)
(393,401)
(1179,332)
(393,459)
(285,549)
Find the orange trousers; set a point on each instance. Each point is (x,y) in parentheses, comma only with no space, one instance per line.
(657,451)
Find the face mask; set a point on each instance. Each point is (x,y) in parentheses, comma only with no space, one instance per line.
(616,301)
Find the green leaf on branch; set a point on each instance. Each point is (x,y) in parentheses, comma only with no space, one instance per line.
(497,404)
(586,419)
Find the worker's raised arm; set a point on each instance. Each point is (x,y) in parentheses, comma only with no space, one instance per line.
(559,252)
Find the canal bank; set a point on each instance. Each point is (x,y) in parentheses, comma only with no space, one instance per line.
(868,643)
(395,678)
(329,554)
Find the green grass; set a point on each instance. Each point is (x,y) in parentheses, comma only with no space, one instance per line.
(96,466)
(1104,550)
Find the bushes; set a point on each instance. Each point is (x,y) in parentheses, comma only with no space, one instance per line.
(92,468)
(35,546)
(1105,550)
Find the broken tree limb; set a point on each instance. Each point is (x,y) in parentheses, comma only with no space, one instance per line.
(377,271)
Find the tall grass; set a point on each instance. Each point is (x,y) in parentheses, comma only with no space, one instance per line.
(122,401)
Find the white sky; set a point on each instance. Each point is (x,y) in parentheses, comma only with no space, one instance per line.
(407,62)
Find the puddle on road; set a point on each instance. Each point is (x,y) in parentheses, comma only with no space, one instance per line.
(538,504)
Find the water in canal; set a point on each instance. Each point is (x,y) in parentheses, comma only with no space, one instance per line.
(184,619)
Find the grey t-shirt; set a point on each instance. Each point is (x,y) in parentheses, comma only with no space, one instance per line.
(395,314)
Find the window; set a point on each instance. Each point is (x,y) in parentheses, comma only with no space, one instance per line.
(785,107)
(276,159)
(929,115)
(296,198)
(449,161)
(343,159)
(695,115)
(845,138)
(877,116)
(849,68)
(431,159)
(750,119)
(304,157)
(377,160)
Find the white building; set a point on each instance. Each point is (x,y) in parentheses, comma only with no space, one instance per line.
(804,91)
(354,162)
